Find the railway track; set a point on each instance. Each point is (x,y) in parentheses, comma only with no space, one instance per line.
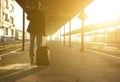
(111,49)
(9,46)
(9,67)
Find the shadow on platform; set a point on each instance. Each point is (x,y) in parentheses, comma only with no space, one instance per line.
(19,74)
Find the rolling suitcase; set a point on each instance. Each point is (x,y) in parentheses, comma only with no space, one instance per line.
(43,53)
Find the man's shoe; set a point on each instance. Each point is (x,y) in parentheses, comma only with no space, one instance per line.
(32,63)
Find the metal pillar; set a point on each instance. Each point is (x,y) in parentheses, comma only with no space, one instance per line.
(82,17)
(50,37)
(1,11)
(23,35)
(60,35)
(70,33)
(116,33)
(57,36)
(104,35)
(64,36)
(82,36)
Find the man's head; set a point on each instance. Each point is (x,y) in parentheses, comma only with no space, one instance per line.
(37,4)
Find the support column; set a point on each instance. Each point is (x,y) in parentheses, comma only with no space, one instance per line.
(116,34)
(57,36)
(1,11)
(64,36)
(60,35)
(23,35)
(50,37)
(70,33)
(104,35)
(82,17)
(82,36)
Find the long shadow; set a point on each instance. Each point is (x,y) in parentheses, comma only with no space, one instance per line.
(21,74)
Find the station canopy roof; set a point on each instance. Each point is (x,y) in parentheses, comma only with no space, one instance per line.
(58,12)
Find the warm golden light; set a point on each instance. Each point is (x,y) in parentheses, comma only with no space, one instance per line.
(103,10)
(98,11)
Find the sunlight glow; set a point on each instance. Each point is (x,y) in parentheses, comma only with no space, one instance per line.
(16,66)
(110,29)
(19,17)
(75,23)
(103,10)
(98,12)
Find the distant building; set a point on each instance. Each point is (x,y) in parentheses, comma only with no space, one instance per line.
(7,26)
(19,35)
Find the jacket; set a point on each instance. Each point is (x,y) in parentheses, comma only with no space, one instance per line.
(37,22)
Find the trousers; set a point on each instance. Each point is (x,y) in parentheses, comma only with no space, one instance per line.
(34,39)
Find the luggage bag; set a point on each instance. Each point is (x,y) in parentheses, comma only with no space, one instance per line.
(43,53)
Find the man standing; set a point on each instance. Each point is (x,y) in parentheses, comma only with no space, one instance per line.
(36,26)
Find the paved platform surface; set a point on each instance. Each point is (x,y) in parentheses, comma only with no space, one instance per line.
(66,65)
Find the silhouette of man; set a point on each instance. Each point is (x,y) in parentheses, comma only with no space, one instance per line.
(36,26)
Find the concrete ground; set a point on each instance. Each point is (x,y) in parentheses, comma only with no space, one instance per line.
(66,65)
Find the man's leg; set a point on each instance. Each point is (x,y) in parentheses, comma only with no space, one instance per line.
(39,40)
(31,49)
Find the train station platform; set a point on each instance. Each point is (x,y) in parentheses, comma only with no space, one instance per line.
(67,64)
